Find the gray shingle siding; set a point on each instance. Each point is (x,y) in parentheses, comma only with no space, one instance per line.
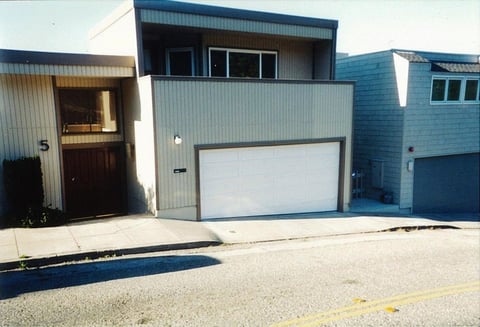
(378,120)
(385,130)
(435,130)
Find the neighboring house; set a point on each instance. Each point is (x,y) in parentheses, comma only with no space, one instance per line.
(416,127)
(229,113)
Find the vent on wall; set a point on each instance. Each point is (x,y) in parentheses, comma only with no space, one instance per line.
(377,173)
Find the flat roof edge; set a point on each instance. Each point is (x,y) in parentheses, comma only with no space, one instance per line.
(208,10)
(59,58)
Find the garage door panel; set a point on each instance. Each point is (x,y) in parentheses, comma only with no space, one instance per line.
(236,205)
(228,155)
(283,166)
(325,149)
(283,152)
(447,184)
(219,171)
(219,186)
(259,153)
(269,180)
(258,182)
(255,167)
(290,183)
(286,196)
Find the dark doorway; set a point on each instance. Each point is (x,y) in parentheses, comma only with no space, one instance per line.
(94,181)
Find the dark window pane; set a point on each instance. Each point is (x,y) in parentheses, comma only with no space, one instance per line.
(471,90)
(454,90)
(438,89)
(181,63)
(269,62)
(218,63)
(147,60)
(76,106)
(85,111)
(244,64)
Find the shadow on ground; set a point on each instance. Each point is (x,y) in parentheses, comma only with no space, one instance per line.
(15,283)
(450,216)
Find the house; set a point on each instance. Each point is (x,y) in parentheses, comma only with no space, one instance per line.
(185,111)
(416,127)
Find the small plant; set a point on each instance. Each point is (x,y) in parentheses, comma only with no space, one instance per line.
(42,217)
(22,265)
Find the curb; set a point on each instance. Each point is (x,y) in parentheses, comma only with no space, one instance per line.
(30,263)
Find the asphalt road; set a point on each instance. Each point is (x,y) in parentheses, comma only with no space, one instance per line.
(419,278)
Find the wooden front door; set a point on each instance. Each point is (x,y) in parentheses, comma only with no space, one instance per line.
(94,181)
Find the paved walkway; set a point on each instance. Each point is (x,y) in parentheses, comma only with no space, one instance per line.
(142,233)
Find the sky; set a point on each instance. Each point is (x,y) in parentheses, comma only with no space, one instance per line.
(364,25)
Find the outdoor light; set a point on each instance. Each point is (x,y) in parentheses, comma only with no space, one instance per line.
(177,139)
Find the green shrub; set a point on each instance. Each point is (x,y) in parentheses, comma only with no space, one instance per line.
(24,193)
(23,184)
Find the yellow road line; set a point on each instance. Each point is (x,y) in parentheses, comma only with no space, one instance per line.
(378,305)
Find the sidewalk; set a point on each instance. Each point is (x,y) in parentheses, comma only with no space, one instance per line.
(142,234)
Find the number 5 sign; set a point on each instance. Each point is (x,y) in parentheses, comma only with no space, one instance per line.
(44,145)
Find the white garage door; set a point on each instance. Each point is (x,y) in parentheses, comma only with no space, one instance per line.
(267,180)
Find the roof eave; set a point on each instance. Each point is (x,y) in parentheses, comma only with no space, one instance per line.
(58,58)
(215,11)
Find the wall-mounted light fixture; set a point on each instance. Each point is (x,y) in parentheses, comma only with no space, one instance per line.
(177,139)
(410,165)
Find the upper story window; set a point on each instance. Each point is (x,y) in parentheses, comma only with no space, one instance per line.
(454,90)
(242,63)
(180,62)
(472,90)
(88,110)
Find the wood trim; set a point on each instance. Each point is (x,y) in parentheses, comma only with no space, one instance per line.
(90,145)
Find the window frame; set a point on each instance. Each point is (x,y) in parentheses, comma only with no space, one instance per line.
(240,50)
(462,92)
(64,126)
(477,97)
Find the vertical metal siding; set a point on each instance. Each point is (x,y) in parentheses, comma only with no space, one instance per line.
(213,112)
(27,115)
(230,24)
(66,70)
